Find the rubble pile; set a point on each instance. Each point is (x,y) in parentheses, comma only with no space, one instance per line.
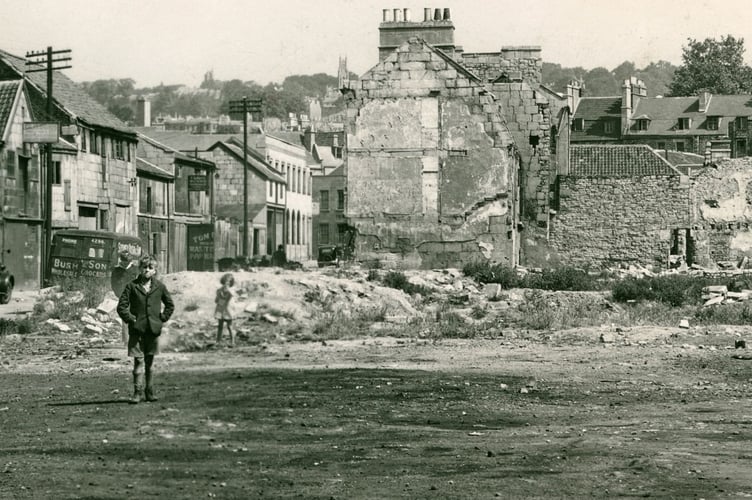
(720,294)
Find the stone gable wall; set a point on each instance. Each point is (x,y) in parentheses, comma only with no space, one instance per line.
(607,222)
(431,165)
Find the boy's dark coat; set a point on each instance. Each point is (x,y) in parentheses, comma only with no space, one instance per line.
(142,310)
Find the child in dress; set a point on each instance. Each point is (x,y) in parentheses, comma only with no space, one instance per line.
(222,312)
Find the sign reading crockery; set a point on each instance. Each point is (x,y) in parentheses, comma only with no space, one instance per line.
(41,132)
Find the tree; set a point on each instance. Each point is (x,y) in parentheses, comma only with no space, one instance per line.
(624,71)
(713,65)
(601,82)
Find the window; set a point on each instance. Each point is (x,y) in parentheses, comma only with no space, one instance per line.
(104,220)
(684,123)
(118,150)
(271,188)
(680,145)
(713,122)
(23,170)
(340,199)
(740,123)
(149,200)
(341,233)
(67,195)
(94,143)
(155,243)
(11,164)
(56,173)
(643,124)
(84,132)
(323,234)
(578,125)
(323,201)
(608,127)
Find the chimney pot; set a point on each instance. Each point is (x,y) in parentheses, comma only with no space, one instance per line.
(427,14)
(437,15)
(406,15)
(397,15)
(385,15)
(447,16)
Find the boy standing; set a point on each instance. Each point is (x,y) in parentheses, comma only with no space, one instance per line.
(122,274)
(140,307)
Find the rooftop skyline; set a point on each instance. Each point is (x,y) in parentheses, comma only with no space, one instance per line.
(177,41)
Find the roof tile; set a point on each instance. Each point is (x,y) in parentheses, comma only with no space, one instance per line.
(617,161)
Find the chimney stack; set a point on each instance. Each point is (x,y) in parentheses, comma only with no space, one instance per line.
(704,100)
(397,27)
(143,112)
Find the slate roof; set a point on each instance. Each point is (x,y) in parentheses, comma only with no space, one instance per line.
(178,155)
(235,211)
(325,156)
(598,160)
(183,141)
(664,114)
(8,93)
(258,164)
(69,95)
(595,111)
(294,138)
(146,167)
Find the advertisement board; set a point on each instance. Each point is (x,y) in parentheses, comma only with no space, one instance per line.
(200,247)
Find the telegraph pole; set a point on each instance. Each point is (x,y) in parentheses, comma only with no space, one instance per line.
(245,106)
(46,60)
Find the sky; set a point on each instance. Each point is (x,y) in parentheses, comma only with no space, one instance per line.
(177,41)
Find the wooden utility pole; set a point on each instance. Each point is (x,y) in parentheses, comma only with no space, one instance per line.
(245,106)
(45,60)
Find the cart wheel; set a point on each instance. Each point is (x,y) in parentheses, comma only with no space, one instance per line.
(5,298)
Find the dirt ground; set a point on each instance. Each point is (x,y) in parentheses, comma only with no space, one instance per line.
(652,412)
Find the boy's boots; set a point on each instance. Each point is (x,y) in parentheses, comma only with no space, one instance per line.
(138,388)
(150,394)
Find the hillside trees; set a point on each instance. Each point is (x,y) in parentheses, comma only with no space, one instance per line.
(713,65)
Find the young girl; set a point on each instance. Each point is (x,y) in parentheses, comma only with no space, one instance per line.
(140,307)
(222,312)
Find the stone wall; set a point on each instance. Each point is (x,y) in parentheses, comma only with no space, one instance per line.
(607,222)
(722,213)
(431,165)
(514,64)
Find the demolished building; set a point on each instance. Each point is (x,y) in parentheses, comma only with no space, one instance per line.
(447,151)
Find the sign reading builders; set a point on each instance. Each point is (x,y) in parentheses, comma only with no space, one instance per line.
(41,132)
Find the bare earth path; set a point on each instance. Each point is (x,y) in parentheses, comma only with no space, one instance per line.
(658,413)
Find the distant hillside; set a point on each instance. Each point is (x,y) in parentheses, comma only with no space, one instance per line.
(212,96)
(602,82)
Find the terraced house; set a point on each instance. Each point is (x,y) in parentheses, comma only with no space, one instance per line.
(93,174)
(706,124)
